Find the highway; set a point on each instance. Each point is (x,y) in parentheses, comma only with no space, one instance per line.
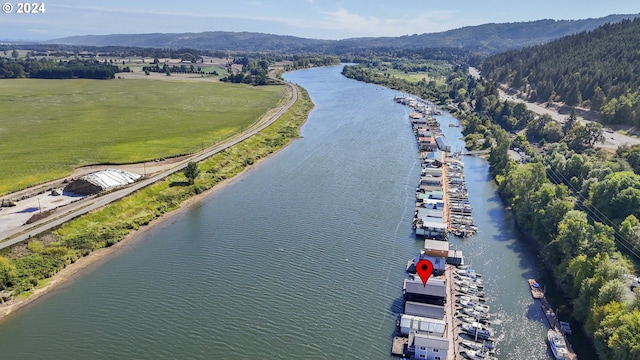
(15,235)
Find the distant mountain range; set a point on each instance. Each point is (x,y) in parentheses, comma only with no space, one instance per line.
(486,39)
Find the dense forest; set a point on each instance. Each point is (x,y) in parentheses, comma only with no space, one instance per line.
(596,69)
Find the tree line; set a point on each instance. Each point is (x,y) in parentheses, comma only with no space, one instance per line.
(52,69)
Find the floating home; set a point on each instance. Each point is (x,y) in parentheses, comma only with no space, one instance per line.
(429,347)
(430,326)
(424,310)
(432,293)
(443,144)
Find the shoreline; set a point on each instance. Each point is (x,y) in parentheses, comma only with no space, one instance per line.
(97,257)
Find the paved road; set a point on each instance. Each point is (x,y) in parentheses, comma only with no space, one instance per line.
(612,140)
(74,210)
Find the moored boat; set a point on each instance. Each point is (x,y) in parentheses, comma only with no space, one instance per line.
(474,305)
(469,284)
(470,291)
(473,345)
(476,299)
(468,273)
(475,313)
(477,355)
(536,292)
(477,330)
(470,319)
(558,344)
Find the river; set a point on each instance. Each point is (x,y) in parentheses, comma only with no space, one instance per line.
(301,257)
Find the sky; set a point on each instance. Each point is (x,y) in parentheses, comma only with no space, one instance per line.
(317,19)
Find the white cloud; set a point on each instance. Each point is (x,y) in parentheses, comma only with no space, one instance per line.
(354,25)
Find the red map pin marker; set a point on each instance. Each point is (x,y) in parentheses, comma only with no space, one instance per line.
(424,268)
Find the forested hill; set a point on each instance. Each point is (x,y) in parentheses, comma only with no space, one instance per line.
(212,40)
(487,38)
(599,69)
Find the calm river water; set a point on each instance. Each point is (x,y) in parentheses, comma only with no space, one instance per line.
(301,257)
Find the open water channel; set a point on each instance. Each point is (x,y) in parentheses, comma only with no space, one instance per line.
(301,257)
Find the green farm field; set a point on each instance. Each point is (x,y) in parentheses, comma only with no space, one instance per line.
(415,76)
(50,127)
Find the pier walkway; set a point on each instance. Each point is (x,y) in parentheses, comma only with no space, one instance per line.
(554,323)
(453,332)
(552,318)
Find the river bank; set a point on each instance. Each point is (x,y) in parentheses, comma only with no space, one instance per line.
(97,257)
(254,149)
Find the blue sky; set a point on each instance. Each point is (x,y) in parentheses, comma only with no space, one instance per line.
(319,19)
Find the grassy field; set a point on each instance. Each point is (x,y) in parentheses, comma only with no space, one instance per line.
(415,76)
(50,127)
(26,266)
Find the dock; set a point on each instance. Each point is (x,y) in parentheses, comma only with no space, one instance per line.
(552,318)
(453,331)
(400,345)
(430,322)
(554,323)
(442,199)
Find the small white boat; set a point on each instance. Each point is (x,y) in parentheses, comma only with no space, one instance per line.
(477,355)
(476,313)
(557,344)
(481,307)
(468,283)
(477,346)
(474,305)
(470,273)
(468,278)
(475,299)
(470,320)
(470,291)
(478,330)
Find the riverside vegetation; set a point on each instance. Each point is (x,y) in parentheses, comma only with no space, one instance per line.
(578,204)
(26,266)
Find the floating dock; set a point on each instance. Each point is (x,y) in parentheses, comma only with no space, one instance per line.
(431,326)
(442,200)
(552,318)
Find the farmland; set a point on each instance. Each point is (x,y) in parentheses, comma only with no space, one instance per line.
(50,127)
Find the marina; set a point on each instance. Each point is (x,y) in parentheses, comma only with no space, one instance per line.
(446,315)
(442,199)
